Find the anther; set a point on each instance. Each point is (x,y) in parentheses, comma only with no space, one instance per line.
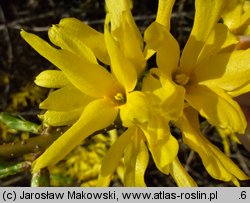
(120,98)
(181,79)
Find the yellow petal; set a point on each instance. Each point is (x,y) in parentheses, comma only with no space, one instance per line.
(90,78)
(237,16)
(128,40)
(98,115)
(59,36)
(229,71)
(159,39)
(136,159)
(113,156)
(217,107)
(219,39)
(207,14)
(51,79)
(151,81)
(228,164)
(164,12)
(121,67)
(172,97)
(135,110)
(61,118)
(180,175)
(232,14)
(87,35)
(218,165)
(65,99)
(115,9)
(162,145)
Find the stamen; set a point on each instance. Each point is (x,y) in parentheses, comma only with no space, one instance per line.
(181,79)
(120,98)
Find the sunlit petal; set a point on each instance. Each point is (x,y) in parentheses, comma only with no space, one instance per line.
(217,107)
(162,145)
(172,96)
(66,40)
(113,156)
(164,12)
(65,99)
(207,14)
(135,110)
(97,115)
(151,81)
(229,71)
(51,79)
(136,159)
(121,67)
(61,118)
(159,39)
(180,175)
(90,78)
(128,40)
(87,35)
(218,165)
(219,39)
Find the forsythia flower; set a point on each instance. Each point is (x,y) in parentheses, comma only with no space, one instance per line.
(90,97)
(211,74)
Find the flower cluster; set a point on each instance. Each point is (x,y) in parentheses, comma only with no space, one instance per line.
(103,78)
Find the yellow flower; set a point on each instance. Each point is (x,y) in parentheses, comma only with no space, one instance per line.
(218,165)
(147,114)
(210,74)
(90,96)
(237,17)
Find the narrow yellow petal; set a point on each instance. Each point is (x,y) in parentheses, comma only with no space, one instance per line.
(67,40)
(237,16)
(151,81)
(180,175)
(164,12)
(136,159)
(218,165)
(232,14)
(228,164)
(128,39)
(98,115)
(159,39)
(228,71)
(219,39)
(172,96)
(65,99)
(162,145)
(115,9)
(217,107)
(135,110)
(120,15)
(121,67)
(207,14)
(91,79)
(51,79)
(61,118)
(87,35)
(113,156)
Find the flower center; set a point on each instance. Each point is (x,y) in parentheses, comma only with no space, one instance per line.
(120,98)
(181,79)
